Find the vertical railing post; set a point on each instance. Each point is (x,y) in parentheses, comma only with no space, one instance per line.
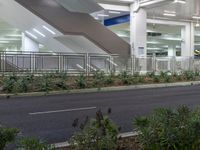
(87,64)
(59,63)
(154,63)
(174,64)
(132,65)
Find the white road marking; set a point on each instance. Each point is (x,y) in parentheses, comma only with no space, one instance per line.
(64,110)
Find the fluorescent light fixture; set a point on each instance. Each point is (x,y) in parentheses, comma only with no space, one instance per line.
(80,67)
(4,42)
(196,17)
(168,14)
(103,15)
(180,1)
(114,12)
(197,25)
(91,67)
(96,18)
(150,2)
(154,48)
(52,32)
(38,32)
(32,35)
(9,39)
(14,35)
(153,42)
(126,0)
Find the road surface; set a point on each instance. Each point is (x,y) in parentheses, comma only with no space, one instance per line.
(50,118)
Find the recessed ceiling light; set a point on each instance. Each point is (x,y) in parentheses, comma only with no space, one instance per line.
(38,32)
(103,15)
(4,42)
(168,14)
(32,35)
(46,28)
(180,1)
(196,17)
(114,12)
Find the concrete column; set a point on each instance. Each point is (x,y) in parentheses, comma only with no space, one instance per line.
(187,35)
(138,32)
(29,45)
(138,36)
(172,50)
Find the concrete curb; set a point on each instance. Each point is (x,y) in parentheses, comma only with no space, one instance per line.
(104,89)
(122,135)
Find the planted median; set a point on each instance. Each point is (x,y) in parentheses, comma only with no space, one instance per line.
(14,83)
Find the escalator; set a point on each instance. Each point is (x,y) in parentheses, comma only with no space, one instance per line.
(75,23)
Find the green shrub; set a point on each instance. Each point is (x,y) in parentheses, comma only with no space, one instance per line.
(197,73)
(7,135)
(125,77)
(45,83)
(81,82)
(99,78)
(141,79)
(96,134)
(9,83)
(21,86)
(61,83)
(167,78)
(166,129)
(156,78)
(110,79)
(34,144)
(189,75)
(151,74)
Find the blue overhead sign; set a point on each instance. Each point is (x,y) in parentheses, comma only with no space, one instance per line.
(117,20)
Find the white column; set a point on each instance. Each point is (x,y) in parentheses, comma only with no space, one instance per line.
(29,45)
(172,50)
(138,32)
(187,35)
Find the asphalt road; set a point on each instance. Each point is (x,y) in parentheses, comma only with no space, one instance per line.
(50,117)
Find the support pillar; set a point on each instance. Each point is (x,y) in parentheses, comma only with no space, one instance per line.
(172,51)
(138,36)
(187,45)
(29,45)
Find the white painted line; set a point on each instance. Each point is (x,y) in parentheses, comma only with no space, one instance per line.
(64,110)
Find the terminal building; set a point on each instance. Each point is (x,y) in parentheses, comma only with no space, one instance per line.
(87,35)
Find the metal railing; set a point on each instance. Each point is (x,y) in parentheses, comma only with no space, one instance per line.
(89,63)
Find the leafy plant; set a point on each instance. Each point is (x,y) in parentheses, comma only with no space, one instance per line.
(96,134)
(156,78)
(61,83)
(189,75)
(167,78)
(34,144)
(81,82)
(21,85)
(151,74)
(141,79)
(110,79)
(7,135)
(9,83)
(99,78)
(125,77)
(168,129)
(45,83)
